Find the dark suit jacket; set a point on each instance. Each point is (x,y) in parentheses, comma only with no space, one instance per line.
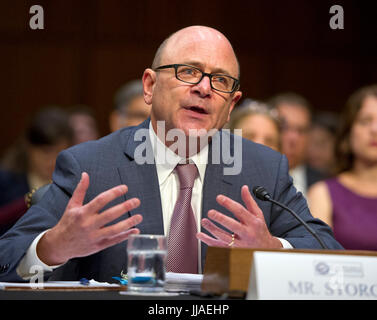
(313,176)
(13,188)
(110,162)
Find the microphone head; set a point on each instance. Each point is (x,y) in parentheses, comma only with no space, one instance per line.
(261,193)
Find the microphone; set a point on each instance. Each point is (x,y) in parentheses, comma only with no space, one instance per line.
(262,194)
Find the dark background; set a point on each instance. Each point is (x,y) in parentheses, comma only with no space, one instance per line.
(90,48)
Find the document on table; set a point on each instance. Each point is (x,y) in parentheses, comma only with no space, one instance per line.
(176,282)
(56,285)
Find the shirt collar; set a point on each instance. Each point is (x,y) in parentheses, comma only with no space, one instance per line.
(166,160)
(297,171)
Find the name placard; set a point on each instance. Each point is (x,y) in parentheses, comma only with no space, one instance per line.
(311,276)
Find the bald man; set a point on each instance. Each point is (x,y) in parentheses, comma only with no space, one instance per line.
(102,192)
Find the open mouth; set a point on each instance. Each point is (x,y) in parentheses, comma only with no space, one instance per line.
(197,109)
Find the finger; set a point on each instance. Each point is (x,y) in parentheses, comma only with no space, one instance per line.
(225,221)
(116,211)
(120,227)
(236,208)
(250,203)
(78,195)
(108,242)
(104,198)
(210,241)
(216,231)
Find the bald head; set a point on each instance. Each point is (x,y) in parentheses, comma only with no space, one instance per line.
(201,36)
(179,104)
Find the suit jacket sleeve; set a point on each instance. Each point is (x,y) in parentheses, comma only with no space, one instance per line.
(40,217)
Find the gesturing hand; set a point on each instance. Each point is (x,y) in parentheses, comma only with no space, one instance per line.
(250,230)
(81,231)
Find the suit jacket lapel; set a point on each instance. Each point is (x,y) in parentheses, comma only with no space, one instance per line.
(142,182)
(215,183)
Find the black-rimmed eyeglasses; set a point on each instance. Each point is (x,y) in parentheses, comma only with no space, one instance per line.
(193,75)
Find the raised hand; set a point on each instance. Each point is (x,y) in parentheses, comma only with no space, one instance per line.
(250,229)
(81,231)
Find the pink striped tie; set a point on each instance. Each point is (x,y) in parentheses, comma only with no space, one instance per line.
(182,243)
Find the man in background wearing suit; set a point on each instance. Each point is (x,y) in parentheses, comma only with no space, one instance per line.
(295,114)
(129,108)
(101,193)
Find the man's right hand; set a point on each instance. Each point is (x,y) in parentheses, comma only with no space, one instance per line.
(81,231)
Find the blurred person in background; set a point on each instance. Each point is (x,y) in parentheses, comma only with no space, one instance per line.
(83,123)
(130,108)
(29,164)
(258,122)
(295,116)
(320,152)
(348,202)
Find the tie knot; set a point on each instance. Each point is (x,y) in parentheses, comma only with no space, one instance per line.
(187,174)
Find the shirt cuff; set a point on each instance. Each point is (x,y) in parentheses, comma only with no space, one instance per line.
(285,243)
(26,267)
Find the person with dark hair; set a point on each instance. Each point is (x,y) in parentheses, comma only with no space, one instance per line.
(83,123)
(321,145)
(130,108)
(295,116)
(30,162)
(348,202)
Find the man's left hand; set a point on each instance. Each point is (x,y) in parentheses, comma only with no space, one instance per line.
(250,230)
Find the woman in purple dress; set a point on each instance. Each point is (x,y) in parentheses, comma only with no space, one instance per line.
(348,202)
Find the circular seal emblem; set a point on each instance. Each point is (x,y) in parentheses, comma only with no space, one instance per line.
(322,268)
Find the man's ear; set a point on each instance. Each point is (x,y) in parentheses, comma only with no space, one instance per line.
(149,80)
(236,97)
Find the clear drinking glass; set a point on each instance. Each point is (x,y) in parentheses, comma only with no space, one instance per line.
(146,262)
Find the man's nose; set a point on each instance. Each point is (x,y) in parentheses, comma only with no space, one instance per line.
(203,87)
(290,134)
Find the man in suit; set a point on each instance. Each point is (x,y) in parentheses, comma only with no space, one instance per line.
(295,113)
(102,193)
(129,108)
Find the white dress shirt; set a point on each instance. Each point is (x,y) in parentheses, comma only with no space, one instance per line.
(166,161)
(298,175)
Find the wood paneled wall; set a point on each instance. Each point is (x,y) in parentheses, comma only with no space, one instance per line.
(90,48)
